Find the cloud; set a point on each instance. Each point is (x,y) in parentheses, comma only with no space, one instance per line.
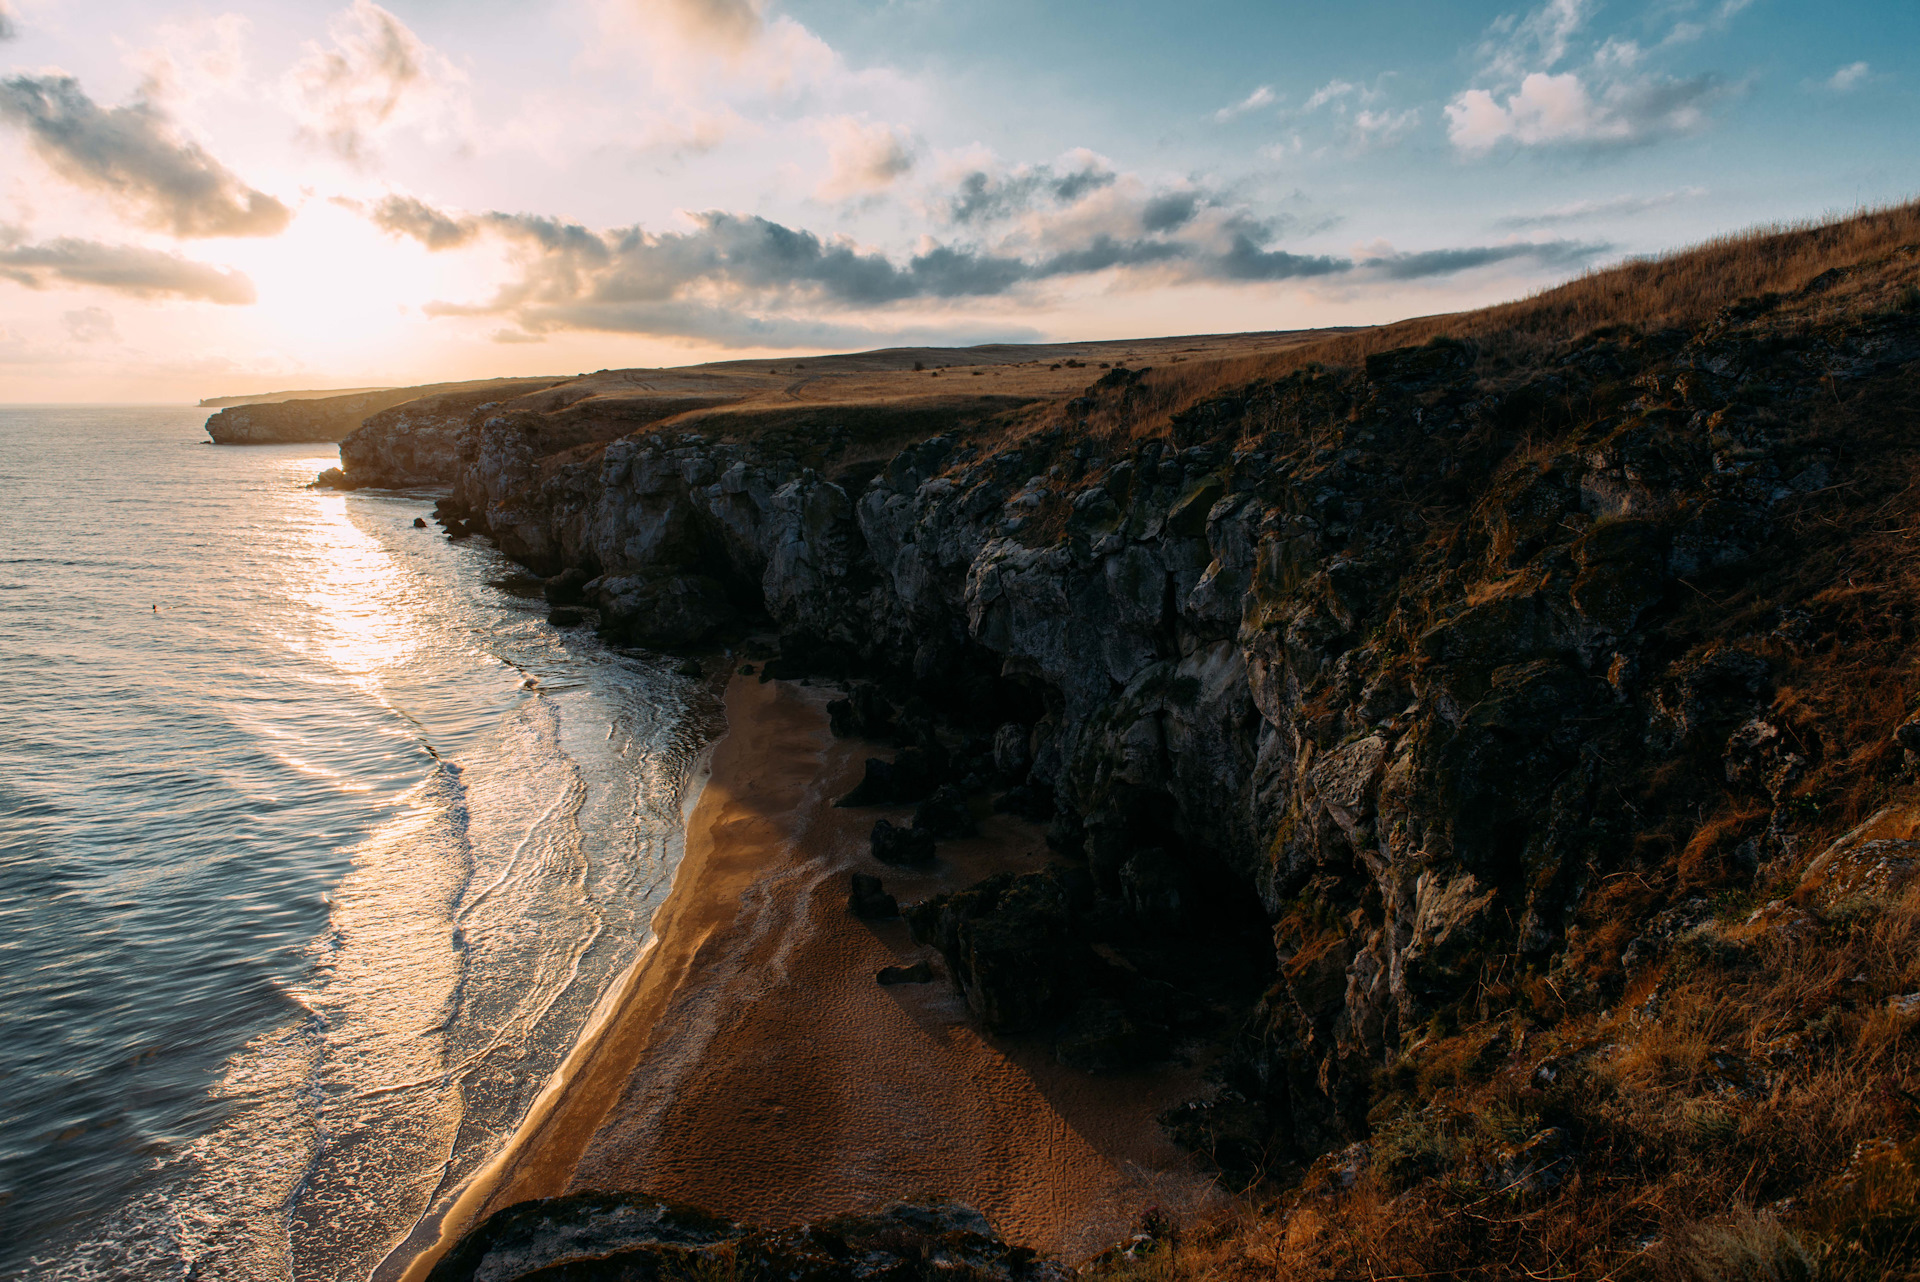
(863,158)
(1608,102)
(1560,109)
(1332,91)
(1261,97)
(1542,39)
(9,28)
(1382,128)
(983,196)
(730,25)
(135,155)
(516,336)
(91,325)
(124,269)
(406,216)
(377,77)
(746,280)
(1614,207)
(1848,77)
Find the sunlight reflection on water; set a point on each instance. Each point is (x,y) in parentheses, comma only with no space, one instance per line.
(315,871)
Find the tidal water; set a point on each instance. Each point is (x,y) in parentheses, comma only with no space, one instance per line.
(318,846)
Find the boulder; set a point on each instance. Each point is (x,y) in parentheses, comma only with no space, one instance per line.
(1011,755)
(945,814)
(331,479)
(893,845)
(1012,948)
(565,616)
(567,587)
(910,776)
(419,522)
(863,714)
(868,899)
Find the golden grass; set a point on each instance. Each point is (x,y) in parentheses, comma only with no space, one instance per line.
(1686,287)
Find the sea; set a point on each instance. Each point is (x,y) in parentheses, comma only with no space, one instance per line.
(319,846)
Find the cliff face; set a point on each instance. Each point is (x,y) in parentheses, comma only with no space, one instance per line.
(1463,666)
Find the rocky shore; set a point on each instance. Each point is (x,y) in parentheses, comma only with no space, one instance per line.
(1447,687)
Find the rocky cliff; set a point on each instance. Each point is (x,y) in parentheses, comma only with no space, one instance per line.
(1461,668)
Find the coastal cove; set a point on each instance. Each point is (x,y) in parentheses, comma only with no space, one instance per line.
(330,845)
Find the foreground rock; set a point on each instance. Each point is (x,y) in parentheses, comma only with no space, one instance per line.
(603,1238)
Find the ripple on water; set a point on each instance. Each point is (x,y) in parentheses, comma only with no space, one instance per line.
(307,879)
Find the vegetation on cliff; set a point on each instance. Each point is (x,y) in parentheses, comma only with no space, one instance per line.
(1541,678)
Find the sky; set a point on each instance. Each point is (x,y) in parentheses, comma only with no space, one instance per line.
(229,198)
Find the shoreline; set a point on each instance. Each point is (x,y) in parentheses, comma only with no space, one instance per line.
(557,1111)
(751,1065)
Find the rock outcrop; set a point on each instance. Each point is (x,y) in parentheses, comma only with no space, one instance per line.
(608,1238)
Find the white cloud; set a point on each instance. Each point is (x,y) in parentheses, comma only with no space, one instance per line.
(1848,77)
(1381,128)
(863,158)
(1261,97)
(1561,109)
(1608,101)
(194,58)
(377,77)
(1332,91)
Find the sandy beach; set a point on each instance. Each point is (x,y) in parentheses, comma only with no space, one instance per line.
(752,1065)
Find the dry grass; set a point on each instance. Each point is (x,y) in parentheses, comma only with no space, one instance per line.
(1684,288)
(1741,1120)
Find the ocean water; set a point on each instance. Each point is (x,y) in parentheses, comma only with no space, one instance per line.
(318,846)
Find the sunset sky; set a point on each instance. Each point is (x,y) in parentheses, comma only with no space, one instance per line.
(207,199)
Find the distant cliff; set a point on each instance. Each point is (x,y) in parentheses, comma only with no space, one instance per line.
(332,418)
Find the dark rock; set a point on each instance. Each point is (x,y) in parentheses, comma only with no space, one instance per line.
(457,530)
(419,522)
(1011,756)
(910,776)
(918,973)
(945,814)
(331,479)
(565,616)
(567,587)
(1011,946)
(688,668)
(1156,889)
(608,1237)
(863,714)
(868,899)
(746,669)
(893,845)
(664,611)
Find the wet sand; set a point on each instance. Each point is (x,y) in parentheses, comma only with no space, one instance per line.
(751,1064)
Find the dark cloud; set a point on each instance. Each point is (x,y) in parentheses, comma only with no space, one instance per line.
(720,280)
(124,269)
(134,154)
(1443,262)
(8,28)
(1166,212)
(982,197)
(405,216)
